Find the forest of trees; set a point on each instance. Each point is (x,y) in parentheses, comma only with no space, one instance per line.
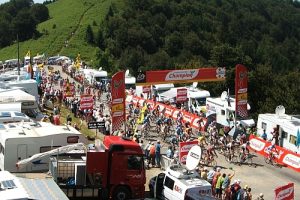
(20,17)
(175,34)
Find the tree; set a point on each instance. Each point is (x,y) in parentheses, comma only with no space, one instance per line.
(39,12)
(89,35)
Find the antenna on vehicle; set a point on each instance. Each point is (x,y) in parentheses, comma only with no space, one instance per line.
(195,84)
(280,111)
(224,96)
(127,73)
(193,158)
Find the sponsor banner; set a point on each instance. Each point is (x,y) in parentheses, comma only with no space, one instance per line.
(187,117)
(181,76)
(169,111)
(184,148)
(146,89)
(282,155)
(241,89)
(69,90)
(285,192)
(199,122)
(181,95)
(118,100)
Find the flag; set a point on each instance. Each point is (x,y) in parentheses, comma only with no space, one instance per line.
(241,91)
(298,138)
(118,100)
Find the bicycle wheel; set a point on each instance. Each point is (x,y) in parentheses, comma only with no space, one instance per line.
(250,162)
(267,160)
(234,160)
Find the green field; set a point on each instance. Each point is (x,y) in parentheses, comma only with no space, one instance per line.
(68,22)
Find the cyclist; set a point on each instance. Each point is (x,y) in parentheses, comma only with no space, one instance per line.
(272,154)
(211,152)
(244,151)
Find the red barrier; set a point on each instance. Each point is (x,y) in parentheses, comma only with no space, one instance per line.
(285,192)
(282,156)
(184,148)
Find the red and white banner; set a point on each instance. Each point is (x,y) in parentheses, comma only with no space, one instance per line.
(282,155)
(285,192)
(181,95)
(184,148)
(181,76)
(146,89)
(241,91)
(86,102)
(118,100)
(195,121)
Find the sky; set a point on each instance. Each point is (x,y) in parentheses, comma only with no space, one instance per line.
(35,1)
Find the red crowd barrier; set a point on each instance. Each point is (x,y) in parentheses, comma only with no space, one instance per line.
(282,156)
(170,111)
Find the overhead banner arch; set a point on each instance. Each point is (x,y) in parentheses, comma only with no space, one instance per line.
(181,76)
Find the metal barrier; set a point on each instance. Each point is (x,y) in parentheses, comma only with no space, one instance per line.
(165,162)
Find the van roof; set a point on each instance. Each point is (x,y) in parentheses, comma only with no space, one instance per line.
(284,119)
(33,129)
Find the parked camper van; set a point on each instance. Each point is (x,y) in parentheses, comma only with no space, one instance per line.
(29,105)
(93,76)
(224,109)
(13,116)
(25,139)
(288,127)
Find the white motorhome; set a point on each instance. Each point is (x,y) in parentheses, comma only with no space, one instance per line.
(22,140)
(13,116)
(29,86)
(93,76)
(223,108)
(196,98)
(288,127)
(29,105)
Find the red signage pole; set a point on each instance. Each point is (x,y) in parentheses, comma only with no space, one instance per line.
(118,100)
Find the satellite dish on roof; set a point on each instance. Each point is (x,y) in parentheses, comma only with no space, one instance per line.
(193,157)
(280,110)
(195,84)
(127,73)
(224,95)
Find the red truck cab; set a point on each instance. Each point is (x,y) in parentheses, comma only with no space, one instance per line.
(119,165)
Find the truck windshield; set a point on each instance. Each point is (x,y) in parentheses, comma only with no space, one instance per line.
(135,162)
(99,79)
(129,86)
(201,101)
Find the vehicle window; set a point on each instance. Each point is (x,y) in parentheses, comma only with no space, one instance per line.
(72,139)
(293,139)
(18,114)
(135,162)
(1,149)
(47,148)
(169,182)
(5,114)
(27,103)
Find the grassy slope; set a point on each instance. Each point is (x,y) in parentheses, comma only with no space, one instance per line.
(68,16)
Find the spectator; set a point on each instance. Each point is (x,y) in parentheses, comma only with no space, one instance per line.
(152,154)
(219,186)
(249,195)
(210,175)
(227,180)
(264,135)
(215,179)
(157,153)
(69,119)
(170,152)
(203,173)
(147,150)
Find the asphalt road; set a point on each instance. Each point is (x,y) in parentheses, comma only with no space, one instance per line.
(262,179)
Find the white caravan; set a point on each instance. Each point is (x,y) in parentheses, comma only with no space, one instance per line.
(223,108)
(22,140)
(288,127)
(29,86)
(93,76)
(29,105)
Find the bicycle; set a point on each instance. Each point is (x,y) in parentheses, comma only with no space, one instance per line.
(247,159)
(270,159)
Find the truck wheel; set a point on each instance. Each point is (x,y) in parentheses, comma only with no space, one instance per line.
(121,193)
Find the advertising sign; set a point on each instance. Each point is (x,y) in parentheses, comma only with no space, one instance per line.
(181,76)
(118,100)
(282,155)
(241,91)
(184,148)
(96,125)
(181,95)
(146,89)
(86,102)
(285,192)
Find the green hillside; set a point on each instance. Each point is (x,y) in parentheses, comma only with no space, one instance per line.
(68,22)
